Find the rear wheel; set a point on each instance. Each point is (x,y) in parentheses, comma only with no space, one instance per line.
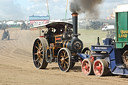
(87,67)
(125,58)
(39,54)
(100,67)
(64,59)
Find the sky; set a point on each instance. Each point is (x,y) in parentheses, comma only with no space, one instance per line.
(22,9)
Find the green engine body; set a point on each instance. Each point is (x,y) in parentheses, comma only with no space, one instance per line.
(121,29)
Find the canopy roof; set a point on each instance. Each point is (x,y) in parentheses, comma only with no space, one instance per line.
(57,27)
(122,8)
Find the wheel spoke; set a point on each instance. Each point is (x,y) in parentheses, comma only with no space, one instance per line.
(42,54)
(38,63)
(42,50)
(66,57)
(126,58)
(61,63)
(36,47)
(64,54)
(66,62)
(35,53)
(38,43)
(65,66)
(61,55)
(40,47)
(36,60)
(40,60)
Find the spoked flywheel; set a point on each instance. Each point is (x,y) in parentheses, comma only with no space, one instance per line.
(39,54)
(64,59)
(125,58)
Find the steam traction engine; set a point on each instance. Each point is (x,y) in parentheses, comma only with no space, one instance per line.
(113,55)
(59,43)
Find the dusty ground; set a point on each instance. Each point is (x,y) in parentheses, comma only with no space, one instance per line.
(16,66)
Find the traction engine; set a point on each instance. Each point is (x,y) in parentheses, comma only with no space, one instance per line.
(112,56)
(60,43)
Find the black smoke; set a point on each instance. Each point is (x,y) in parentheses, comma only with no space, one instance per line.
(89,7)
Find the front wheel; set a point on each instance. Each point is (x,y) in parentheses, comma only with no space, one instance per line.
(64,59)
(87,67)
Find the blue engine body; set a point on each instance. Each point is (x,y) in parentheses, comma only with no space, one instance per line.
(113,57)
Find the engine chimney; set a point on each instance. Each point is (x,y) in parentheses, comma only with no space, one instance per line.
(75,24)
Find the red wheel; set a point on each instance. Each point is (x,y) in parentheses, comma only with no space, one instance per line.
(100,67)
(87,67)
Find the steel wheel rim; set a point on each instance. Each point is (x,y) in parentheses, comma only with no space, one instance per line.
(98,68)
(63,60)
(125,58)
(86,67)
(38,53)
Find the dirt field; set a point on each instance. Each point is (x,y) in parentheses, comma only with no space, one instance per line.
(16,66)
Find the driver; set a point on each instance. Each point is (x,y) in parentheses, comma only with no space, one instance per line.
(50,35)
(67,33)
(50,31)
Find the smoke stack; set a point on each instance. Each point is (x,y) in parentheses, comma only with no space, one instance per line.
(75,24)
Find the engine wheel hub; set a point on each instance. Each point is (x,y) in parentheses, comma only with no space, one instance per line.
(39,53)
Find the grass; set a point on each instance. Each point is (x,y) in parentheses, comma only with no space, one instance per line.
(89,37)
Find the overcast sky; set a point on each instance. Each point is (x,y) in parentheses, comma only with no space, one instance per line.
(22,9)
